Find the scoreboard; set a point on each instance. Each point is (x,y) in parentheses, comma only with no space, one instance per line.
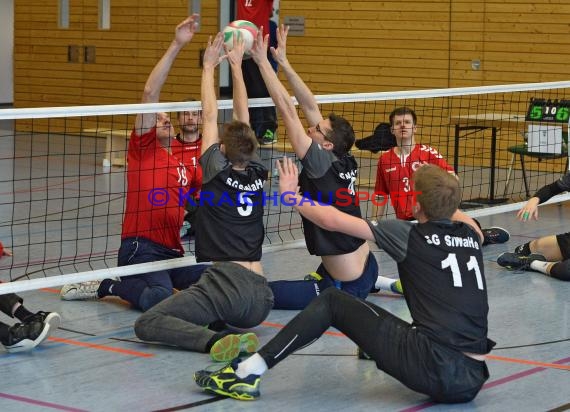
(543,110)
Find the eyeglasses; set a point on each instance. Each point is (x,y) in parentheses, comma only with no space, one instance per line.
(318,129)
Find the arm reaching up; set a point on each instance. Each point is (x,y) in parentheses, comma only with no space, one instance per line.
(299,139)
(183,35)
(302,92)
(208,93)
(235,57)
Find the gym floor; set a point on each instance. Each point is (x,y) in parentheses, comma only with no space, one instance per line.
(94,362)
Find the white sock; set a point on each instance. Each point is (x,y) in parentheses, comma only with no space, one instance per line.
(383,283)
(15,308)
(542,267)
(255,365)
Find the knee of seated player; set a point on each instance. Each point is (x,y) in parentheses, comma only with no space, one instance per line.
(142,325)
(147,325)
(152,295)
(561,270)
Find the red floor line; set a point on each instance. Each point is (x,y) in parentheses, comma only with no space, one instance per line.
(529,362)
(40,403)
(101,347)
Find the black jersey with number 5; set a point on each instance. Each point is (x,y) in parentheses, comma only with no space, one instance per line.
(441,269)
(229,221)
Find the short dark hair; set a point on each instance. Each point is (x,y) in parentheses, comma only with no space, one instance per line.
(341,134)
(439,192)
(401,111)
(239,142)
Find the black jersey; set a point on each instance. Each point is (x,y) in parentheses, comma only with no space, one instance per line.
(325,178)
(229,222)
(441,269)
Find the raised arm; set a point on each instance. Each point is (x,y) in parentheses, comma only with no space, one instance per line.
(182,35)
(327,217)
(235,57)
(302,92)
(299,139)
(208,93)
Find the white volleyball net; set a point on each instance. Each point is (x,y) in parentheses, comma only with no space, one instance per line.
(63,181)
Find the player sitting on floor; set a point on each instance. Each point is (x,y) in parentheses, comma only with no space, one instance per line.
(396,166)
(329,171)
(549,254)
(442,352)
(151,229)
(229,232)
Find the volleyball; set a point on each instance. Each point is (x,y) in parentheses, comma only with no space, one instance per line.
(246,29)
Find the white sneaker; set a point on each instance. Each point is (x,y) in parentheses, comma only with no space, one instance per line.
(80,291)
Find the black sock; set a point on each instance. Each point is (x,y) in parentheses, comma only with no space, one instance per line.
(22,313)
(523,249)
(104,288)
(214,339)
(218,326)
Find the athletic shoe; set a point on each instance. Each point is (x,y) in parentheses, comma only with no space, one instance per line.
(269,137)
(27,335)
(313,277)
(396,287)
(225,382)
(516,261)
(80,291)
(519,249)
(230,346)
(51,318)
(494,235)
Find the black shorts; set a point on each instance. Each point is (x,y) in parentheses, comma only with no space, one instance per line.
(564,244)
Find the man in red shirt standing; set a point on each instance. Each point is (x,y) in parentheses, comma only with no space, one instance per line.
(397,165)
(153,213)
(263,119)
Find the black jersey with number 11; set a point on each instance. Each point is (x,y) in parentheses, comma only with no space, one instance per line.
(441,269)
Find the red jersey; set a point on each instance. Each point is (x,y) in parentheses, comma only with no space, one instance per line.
(155,181)
(393,176)
(255,11)
(189,153)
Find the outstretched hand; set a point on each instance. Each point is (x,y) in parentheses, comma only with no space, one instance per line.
(259,49)
(280,53)
(185,30)
(529,210)
(212,55)
(288,176)
(235,55)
